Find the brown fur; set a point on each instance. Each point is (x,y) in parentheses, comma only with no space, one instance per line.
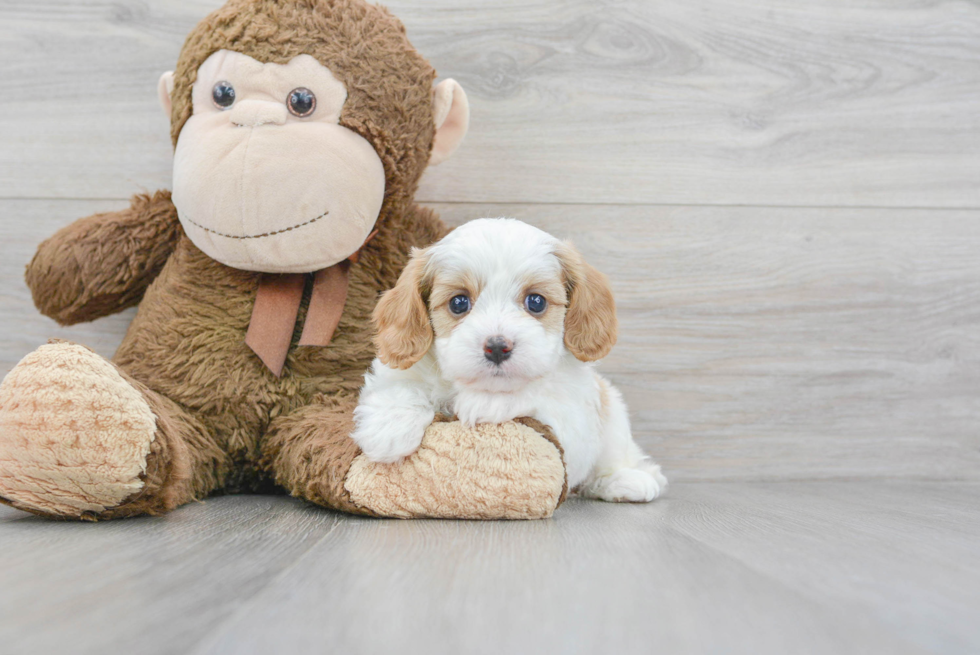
(312,452)
(404,333)
(554,291)
(182,462)
(443,320)
(591,325)
(444,288)
(224,421)
(103,264)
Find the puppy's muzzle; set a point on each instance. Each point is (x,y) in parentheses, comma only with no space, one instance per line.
(497,349)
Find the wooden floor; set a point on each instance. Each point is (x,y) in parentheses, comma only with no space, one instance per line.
(786,197)
(794,567)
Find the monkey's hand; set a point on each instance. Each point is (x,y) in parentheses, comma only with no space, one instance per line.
(102,264)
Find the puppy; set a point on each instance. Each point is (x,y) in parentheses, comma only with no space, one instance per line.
(496,321)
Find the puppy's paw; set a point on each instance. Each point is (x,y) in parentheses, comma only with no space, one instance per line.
(639,485)
(390,434)
(475,408)
(654,469)
(471,416)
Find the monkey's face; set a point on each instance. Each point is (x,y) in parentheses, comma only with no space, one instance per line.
(265,177)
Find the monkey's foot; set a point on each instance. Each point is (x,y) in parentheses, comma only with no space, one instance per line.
(74,435)
(514,470)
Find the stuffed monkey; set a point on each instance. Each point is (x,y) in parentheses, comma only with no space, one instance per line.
(300,128)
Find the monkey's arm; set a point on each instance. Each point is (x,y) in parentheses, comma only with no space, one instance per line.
(102,264)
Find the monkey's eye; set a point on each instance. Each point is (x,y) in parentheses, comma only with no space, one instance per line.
(223,95)
(459,305)
(535,303)
(301,102)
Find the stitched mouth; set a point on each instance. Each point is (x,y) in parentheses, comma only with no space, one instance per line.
(255,236)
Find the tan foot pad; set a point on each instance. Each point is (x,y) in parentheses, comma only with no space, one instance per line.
(506,471)
(74,435)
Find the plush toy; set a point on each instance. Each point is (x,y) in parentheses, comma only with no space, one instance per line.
(301,128)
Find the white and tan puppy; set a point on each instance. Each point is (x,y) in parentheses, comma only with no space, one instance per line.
(496,321)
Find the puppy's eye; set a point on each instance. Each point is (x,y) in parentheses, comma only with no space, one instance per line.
(535,303)
(223,95)
(459,305)
(301,102)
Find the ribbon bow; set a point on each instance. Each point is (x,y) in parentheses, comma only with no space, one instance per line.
(277,302)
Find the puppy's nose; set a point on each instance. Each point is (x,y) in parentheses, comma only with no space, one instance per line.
(497,349)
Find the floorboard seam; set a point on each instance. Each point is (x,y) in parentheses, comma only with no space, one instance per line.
(207,642)
(799,592)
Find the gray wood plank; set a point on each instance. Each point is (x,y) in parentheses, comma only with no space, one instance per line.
(909,555)
(148,585)
(828,568)
(780,102)
(714,568)
(755,343)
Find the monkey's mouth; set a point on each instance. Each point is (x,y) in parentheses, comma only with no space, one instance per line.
(255,236)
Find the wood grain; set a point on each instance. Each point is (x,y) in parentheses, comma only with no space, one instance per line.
(859,548)
(755,343)
(817,568)
(778,102)
(761,568)
(148,585)
(448,587)
(846,567)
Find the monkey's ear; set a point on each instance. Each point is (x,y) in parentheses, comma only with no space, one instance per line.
(451,113)
(165,87)
(401,318)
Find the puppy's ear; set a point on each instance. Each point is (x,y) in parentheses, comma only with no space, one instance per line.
(401,319)
(590,321)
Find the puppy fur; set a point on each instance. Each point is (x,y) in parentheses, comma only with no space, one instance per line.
(431,360)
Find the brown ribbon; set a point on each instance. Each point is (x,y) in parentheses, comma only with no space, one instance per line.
(274,317)
(277,301)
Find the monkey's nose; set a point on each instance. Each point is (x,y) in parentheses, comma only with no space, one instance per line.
(252,113)
(497,349)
